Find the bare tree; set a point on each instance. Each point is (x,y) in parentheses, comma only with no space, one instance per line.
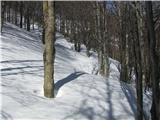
(49,50)
(155,110)
(21,14)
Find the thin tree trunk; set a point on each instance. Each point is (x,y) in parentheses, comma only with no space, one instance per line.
(25,22)
(12,14)
(106,62)
(28,19)
(123,46)
(9,13)
(33,20)
(43,35)
(15,13)
(21,14)
(3,11)
(99,37)
(62,25)
(106,42)
(139,63)
(155,110)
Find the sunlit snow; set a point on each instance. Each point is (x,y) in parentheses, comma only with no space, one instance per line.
(80,94)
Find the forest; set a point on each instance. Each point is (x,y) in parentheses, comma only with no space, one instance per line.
(97,44)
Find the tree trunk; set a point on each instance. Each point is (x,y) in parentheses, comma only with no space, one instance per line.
(28,19)
(106,42)
(25,22)
(106,62)
(21,14)
(49,50)
(33,20)
(78,46)
(155,110)
(8,13)
(62,26)
(43,35)
(139,62)
(147,66)
(3,10)
(99,37)
(100,61)
(12,14)
(15,13)
(123,42)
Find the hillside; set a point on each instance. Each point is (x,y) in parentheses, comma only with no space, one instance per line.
(80,94)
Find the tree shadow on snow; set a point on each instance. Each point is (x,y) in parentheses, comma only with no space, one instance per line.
(67,79)
(19,31)
(109,100)
(20,61)
(89,112)
(21,67)
(5,116)
(130,95)
(86,111)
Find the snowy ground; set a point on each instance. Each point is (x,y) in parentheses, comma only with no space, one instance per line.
(80,95)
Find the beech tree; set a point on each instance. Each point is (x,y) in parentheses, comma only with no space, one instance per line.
(49,50)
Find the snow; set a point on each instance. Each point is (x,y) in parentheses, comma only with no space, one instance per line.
(80,94)
(147,102)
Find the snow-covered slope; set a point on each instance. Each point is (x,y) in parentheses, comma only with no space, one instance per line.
(80,95)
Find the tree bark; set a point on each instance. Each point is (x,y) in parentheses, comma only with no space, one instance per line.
(155,109)
(9,13)
(28,19)
(106,42)
(21,14)
(138,67)
(123,43)
(99,37)
(15,13)
(3,13)
(49,50)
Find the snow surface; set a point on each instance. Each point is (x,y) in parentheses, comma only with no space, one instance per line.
(80,95)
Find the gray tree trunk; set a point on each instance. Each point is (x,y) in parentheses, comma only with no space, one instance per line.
(139,62)
(21,14)
(28,19)
(3,10)
(99,37)
(123,43)
(106,42)
(155,109)
(49,50)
